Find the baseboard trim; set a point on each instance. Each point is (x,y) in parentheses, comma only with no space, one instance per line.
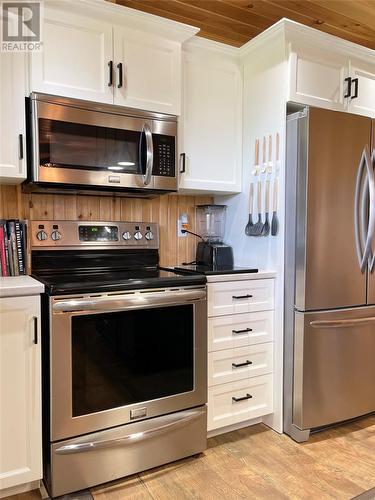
(21,488)
(233,427)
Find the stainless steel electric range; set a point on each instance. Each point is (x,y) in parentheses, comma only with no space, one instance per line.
(124,353)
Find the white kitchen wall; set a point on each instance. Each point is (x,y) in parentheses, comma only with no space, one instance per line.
(264,113)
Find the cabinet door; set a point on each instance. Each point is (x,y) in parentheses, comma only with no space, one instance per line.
(74,61)
(318,78)
(20,392)
(151,69)
(12,117)
(364,104)
(210,131)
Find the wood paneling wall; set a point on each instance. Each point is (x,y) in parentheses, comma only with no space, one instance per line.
(164,210)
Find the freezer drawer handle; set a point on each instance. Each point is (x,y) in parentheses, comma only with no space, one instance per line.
(342,323)
(239,365)
(241,296)
(129,438)
(246,330)
(244,398)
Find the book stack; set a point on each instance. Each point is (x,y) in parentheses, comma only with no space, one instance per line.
(12,247)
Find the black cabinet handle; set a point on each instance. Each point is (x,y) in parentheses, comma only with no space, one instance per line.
(182,163)
(119,67)
(349,87)
(238,365)
(20,146)
(241,296)
(110,80)
(246,330)
(355,81)
(35,319)
(236,400)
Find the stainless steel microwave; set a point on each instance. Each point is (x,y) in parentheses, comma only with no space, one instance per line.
(90,147)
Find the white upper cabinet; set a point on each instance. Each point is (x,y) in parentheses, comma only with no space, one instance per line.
(74,61)
(210,128)
(317,78)
(342,78)
(362,100)
(151,71)
(111,55)
(13,89)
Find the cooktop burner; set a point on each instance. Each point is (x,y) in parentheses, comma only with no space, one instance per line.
(212,270)
(76,257)
(107,281)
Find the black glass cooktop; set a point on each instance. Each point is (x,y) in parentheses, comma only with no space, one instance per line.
(212,270)
(96,282)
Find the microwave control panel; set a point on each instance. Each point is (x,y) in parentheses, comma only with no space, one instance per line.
(164,155)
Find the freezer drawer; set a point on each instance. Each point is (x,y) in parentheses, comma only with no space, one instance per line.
(334,368)
(107,455)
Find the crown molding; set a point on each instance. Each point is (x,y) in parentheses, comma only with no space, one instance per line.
(217,47)
(125,16)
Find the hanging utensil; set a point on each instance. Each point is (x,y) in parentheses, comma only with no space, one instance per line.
(270,164)
(256,159)
(256,230)
(266,225)
(264,154)
(275,220)
(250,222)
(277,152)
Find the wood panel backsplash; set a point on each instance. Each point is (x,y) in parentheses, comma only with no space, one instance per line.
(164,210)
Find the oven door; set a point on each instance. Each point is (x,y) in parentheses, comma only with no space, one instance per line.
(79,147)
(125,357)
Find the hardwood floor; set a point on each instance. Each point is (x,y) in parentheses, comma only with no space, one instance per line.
(255,462)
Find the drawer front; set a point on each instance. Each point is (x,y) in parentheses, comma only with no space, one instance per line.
(239,363)
(240,330)
(233,297)
(223,410)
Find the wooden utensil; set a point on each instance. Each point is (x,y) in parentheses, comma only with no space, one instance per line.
(266,225)
(275,220)
(256,230)
(250,222)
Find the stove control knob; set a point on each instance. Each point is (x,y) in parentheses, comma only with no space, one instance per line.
(126,236)
(149,235)
(41,235)
(138,235)
(56,235)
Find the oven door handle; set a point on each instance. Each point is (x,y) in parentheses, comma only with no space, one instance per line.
(124,302)
(183,419)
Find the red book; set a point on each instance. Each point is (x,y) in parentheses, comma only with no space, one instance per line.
(2,253)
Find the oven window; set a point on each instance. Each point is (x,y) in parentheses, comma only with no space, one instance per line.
(129,357)
(88,147)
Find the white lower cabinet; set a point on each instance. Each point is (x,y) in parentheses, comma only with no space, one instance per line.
(239,401)
(240,351)
(20,392)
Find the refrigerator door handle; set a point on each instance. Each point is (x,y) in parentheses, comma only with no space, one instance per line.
(364,250)
(342,323)
(372,257)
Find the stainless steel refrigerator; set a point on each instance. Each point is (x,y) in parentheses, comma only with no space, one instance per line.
(329,355)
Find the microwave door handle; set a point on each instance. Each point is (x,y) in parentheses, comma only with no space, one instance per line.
(146,130)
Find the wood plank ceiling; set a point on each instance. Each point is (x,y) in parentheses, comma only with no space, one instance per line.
(237,21)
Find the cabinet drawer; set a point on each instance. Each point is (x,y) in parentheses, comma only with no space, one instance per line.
(233,297)
(240,330)
(224,410)
(239,363)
